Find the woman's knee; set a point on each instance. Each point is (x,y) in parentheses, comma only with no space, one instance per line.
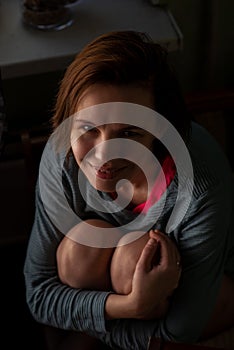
(69,268)
(82,266)
(124,261)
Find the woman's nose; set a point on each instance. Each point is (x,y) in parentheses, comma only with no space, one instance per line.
(102,150)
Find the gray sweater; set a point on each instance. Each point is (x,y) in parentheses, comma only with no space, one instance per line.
(204,235)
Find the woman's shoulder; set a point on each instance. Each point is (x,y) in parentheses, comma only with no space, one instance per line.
(211,169)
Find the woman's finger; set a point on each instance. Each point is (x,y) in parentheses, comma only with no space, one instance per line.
(147,255)
(169,251)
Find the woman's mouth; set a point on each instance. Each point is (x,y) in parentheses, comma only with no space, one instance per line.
(106,173)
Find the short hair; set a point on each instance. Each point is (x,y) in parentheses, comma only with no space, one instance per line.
(124,58)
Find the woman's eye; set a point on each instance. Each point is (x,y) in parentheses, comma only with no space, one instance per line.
(86,128)
(129,133)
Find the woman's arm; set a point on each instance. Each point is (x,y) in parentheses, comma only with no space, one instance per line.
(204,245)
(151,283)
(51,302)
(203,240)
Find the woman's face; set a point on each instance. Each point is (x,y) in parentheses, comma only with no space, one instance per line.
(90,150)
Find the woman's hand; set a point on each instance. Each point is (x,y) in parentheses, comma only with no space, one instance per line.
(154,281)
(156,276)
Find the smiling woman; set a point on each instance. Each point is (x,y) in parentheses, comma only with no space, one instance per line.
(99,165)
(133,231)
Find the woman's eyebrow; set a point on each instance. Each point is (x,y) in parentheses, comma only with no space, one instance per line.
(130,128)
(83,121)
(124,127)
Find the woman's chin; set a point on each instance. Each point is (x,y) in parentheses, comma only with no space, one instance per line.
(103,185)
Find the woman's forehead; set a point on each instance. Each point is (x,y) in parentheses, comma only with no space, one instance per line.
(104,93)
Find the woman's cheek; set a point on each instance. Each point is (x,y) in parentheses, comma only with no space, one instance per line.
(80,150)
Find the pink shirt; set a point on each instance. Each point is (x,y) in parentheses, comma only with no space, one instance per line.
(163,180)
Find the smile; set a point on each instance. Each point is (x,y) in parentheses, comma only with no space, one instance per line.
(107,173)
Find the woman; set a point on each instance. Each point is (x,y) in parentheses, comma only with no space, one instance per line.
(116,274)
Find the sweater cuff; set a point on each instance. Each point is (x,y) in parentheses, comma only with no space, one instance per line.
(98,309)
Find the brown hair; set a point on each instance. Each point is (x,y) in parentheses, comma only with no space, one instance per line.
(123,58)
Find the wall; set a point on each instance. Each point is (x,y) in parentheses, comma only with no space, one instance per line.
(206,60)
(30,100)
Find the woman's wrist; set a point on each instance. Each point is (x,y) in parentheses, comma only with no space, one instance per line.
(119,306)
(127,306)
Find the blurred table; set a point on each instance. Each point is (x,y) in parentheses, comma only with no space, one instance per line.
(27,51)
